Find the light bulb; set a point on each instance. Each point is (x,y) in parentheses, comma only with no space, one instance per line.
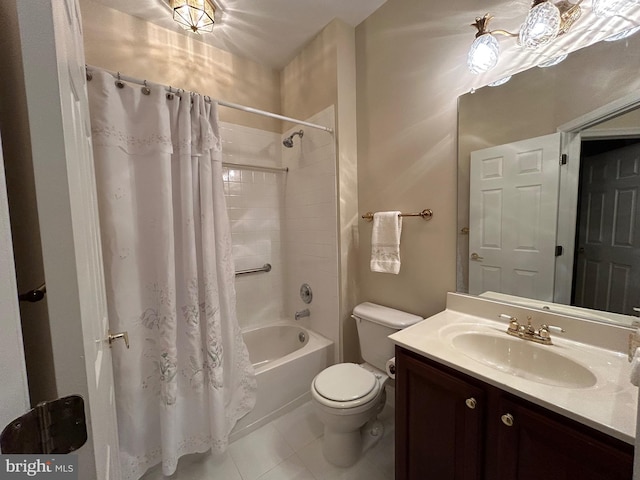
(483,54)
(540,27)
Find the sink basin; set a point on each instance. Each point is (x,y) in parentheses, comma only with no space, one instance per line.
(538,363)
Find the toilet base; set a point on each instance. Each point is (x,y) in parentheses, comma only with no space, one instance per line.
(343,449)
(372,433)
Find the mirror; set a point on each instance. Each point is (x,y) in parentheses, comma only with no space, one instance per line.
(588,98)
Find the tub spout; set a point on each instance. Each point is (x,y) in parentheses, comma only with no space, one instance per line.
(302,314)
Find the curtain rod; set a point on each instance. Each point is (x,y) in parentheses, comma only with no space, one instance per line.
(126,78)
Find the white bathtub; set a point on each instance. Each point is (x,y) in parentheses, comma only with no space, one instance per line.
(286,357)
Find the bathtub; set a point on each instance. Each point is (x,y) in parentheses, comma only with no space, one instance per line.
(285,357)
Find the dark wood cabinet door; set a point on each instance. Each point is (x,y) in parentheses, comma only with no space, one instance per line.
(439,422)
(543,445)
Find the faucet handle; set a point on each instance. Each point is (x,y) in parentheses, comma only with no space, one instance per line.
(552,328)
(544,332)
(513,322)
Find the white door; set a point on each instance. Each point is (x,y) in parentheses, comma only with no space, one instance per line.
(14,394)
(54,70)
(608,255)
(512,217)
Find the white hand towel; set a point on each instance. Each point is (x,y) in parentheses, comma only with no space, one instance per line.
(385,242)
(635,368)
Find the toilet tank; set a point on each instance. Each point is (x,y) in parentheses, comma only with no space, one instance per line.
(375,323)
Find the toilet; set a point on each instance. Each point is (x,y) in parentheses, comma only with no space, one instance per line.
(348,397)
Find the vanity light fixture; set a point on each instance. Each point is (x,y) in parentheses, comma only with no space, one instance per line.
(545,21)
(195,15)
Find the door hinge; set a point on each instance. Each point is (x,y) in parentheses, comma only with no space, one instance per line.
(57,426)
(563,159)
(559,250)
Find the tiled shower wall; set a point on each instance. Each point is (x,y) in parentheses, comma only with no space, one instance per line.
(255,203)
(311,219)
(286,219)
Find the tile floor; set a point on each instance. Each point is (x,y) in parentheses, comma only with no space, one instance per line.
(288,448)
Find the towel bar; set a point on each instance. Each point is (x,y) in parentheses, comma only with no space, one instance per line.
(426,214)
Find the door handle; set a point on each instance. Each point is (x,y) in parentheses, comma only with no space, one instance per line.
(476,257)
(112,337)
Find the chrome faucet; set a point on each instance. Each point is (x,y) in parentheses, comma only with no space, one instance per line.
(302,313)
(542,335)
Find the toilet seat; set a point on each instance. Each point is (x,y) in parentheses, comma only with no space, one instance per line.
(345,385)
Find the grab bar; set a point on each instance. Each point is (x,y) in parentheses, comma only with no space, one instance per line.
(265,268)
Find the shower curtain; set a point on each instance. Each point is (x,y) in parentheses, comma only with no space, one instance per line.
(169,273)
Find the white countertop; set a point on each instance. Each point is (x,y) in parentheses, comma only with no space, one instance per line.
(609,406)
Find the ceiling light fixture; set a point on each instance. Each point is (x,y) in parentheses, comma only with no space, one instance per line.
(195,15)
(545,21)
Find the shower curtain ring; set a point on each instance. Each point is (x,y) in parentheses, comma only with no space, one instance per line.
(88,73)
(119,83)
(170,94)
(146,90)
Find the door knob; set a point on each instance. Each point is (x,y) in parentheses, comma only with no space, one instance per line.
(112,337)
(476,257)
(507,419)
(471,403)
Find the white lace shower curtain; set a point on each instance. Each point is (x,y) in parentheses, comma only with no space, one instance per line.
(169,272)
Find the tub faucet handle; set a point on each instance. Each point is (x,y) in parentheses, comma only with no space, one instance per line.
(302,313)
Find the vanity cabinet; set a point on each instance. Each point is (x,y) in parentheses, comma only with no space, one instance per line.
(450,426)
(439,423)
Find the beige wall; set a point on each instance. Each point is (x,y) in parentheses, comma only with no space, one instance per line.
(119,42)
(407,83)
(347,151)
(309,81)
(321,75)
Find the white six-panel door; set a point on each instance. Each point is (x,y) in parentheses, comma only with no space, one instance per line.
(512,218)
(54,68)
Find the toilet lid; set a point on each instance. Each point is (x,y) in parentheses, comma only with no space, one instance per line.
(344,382)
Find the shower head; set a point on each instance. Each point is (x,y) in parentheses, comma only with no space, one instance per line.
(288,142)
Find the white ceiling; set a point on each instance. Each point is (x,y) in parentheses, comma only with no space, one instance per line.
(270,32)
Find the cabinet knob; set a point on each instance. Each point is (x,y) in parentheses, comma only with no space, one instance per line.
(471,403)
(507,419)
